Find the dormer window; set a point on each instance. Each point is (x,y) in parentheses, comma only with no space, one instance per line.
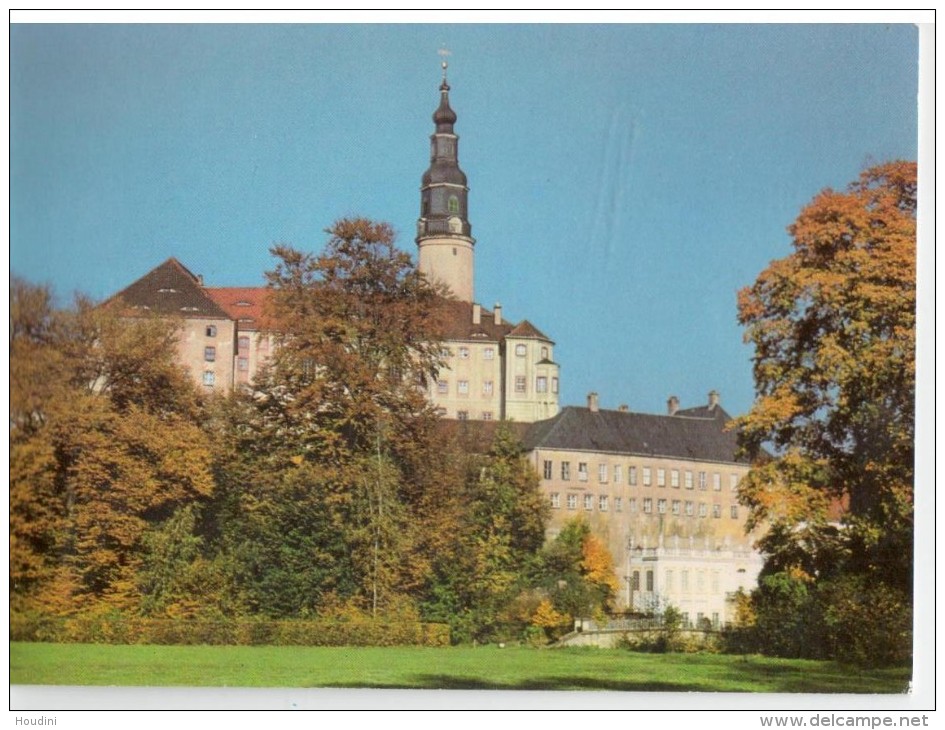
(189,309)
(243,303)
(167,290)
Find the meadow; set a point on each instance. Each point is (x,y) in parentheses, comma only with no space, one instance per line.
(459,667)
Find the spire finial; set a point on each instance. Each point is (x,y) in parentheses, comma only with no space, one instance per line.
(443,53)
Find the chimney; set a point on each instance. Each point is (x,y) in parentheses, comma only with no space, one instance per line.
(672,405)
(477,314)
(624,408)
(592,403)
(713,399)
(498,313)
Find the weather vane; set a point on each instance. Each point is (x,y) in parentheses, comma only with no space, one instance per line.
(443,53)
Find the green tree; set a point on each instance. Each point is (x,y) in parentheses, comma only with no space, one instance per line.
(578,572)
(322,486)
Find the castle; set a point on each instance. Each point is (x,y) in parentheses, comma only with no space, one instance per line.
(659,489)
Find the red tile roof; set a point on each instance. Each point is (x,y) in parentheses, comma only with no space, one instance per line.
(247,305)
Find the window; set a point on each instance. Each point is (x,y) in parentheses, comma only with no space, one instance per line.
(243,344)
(589,502)
(684,585)
(661,477)
(732,482)
(700,584)
(462,387)
(703,509)
(647,479)
(717,511)
(632,503)
(544,353)
(441,412)
(715,619)
(554,385)
(618,504)
(582,471)
(547,470)
(209,379)
(462,415)
(211,330)
(632,476)
(210,354)
(565,471)
(488,353)
(717,482)
(541,384)
(442,387)
(689,508)
(676,506)
(452,204)
(733,511)
(572,501)
(243,364)
(519,383)
(648,505)
(661,506)
(618,473)
(487,415)
(668,580)
(674,478)
(649,581)
(555,500)
(688,480)
(520,350)
(487,387)
(702,480)
(602,473)
(636,580)
(463,353)
(715,587)
(602,503)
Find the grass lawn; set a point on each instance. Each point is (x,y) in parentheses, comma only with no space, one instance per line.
(460,667)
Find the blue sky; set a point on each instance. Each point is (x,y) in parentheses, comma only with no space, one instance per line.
(625,180)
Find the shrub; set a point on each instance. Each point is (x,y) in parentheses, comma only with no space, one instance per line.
(115,628)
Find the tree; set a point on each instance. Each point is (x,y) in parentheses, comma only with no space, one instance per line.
(104,443)
(833,327)
(832,429)
(321,486)
(578,571)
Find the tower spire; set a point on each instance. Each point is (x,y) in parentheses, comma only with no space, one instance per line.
(444,236)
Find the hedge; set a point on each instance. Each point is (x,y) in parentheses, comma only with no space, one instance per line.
(118,629)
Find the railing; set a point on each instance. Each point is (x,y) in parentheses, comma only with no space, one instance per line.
(437,227)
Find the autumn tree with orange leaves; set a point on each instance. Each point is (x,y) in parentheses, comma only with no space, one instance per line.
(833,328)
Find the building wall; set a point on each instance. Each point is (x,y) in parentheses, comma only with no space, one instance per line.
(531,380)
(611,492)
(206,348)
(450,261)
(698,579)
(470,387)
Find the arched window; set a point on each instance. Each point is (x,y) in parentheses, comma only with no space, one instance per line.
(453,204)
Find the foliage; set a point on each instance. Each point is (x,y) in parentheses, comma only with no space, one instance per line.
(578,572)
(497,528)
(833,327)
(104,442)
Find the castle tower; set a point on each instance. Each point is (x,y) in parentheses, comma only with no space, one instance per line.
(444,236)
